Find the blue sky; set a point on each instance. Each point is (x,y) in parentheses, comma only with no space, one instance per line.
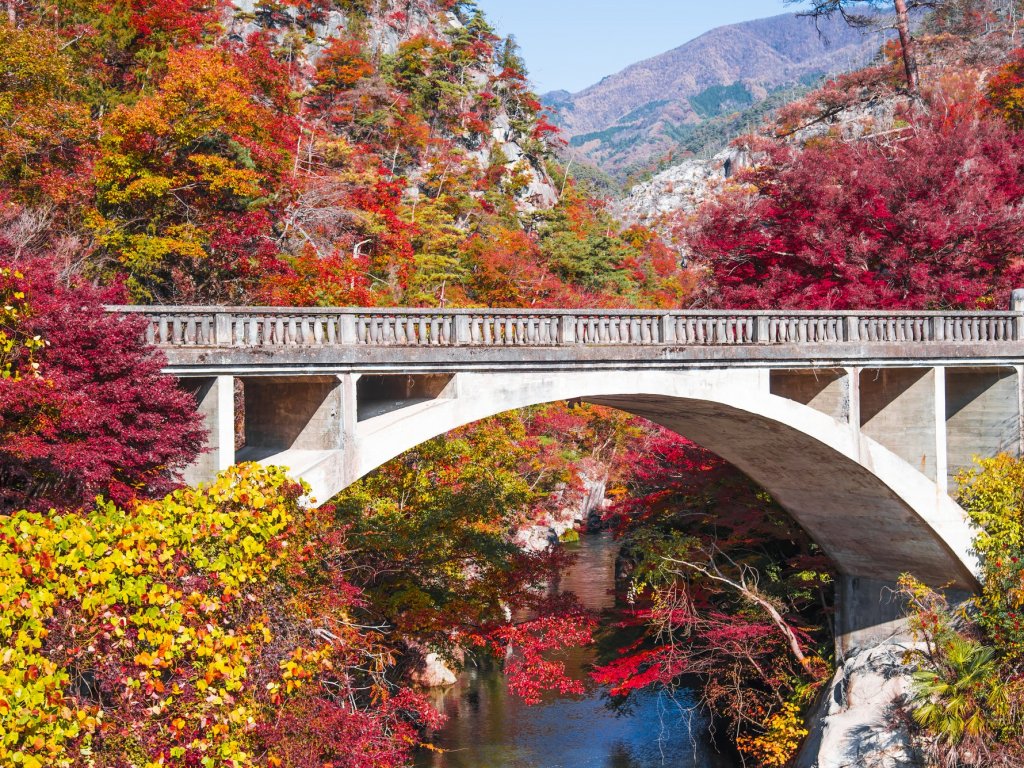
(571,44)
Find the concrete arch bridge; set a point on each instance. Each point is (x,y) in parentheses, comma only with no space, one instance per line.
(854,421)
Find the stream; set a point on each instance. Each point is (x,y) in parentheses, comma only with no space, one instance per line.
(489,728)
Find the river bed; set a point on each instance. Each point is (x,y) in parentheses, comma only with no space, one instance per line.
(489,728)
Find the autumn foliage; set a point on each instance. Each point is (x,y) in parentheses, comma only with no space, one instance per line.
(213,627)
(930,221)
(728,590)
(84,409)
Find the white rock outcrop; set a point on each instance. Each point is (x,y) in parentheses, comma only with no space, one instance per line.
(681,188)
(857,725)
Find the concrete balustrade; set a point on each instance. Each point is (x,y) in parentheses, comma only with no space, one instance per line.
(282,327)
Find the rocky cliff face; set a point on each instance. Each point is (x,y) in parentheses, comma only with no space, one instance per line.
(643,111)
(680,189)
(384,26)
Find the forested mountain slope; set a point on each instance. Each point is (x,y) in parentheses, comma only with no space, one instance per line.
(647,109)
(365,151)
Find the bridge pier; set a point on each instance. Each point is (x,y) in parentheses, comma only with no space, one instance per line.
(215,396)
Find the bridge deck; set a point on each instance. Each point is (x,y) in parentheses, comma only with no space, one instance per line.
(207,340)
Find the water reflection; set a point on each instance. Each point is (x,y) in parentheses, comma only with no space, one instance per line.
(489,728)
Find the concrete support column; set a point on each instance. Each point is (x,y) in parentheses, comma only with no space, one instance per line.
(867,612)
(1020,409)
(853,393)
(941,441)
(349,407)
(215,397)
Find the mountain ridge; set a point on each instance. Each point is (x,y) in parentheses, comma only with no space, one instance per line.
(639,113)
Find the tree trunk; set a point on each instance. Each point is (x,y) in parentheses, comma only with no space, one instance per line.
(907,42)
(12,15)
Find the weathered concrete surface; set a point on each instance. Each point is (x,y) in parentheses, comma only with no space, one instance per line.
(898,405)
(982,414)
(215,396)
(822,389)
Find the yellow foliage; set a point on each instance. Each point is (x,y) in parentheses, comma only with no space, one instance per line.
(157,586)
(783,734)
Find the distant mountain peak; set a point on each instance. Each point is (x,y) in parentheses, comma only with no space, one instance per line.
(645,111)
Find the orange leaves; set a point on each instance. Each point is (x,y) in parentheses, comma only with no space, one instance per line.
(1006,91)
(183,171)
(42,119)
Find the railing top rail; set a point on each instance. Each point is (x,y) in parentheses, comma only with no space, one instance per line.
(324,311)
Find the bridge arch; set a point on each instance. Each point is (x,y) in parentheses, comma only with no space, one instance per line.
(872,512)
